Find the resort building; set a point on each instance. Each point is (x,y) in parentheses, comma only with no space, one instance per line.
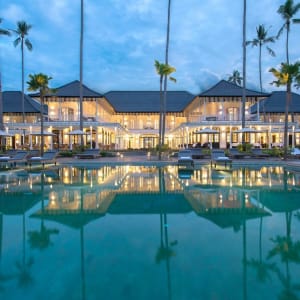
(130,119)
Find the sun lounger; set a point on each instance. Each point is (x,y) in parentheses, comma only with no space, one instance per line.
(258,153)
(20,156)
(295,153)
(89,154)
(185,160)
(218,157)
(48,157)
(197,153)
(235,153)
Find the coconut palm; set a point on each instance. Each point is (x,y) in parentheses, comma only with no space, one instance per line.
(164,71)
(166,76)
(235,77)
(81,72)
(39,82)
(287,75)
(288,11)
(260,40)
(244,70)
(22,31)
(7,33)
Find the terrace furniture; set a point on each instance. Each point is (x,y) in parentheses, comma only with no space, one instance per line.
(218,157)
(185,160)
(19,156)
(235,153)
(258,153)
(89,154)
(197,153)
(48,157)
(295,153)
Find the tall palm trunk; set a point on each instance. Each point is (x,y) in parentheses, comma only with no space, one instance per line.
(166,77)
(23,106)
(287,41)
(286,116)
(244,71)
(81,73)
(161,101)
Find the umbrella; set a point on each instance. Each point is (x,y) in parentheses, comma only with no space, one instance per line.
(76,132)
(206,131)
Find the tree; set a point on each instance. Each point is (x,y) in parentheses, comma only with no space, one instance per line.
(7,33)
(235,77)
(244,70)
(166,76)
(164,71)
(286,76)
(39,82)
(22,31)
(288,11)
(81,71)
(260,40)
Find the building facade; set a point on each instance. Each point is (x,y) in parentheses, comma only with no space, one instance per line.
(130,119)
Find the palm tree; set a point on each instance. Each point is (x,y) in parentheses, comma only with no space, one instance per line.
(166,76)
(235,77)
(39,82)
(7,33)
(22,31)
(244,70)
(288,11)
(164,71)
(260,40)
(286,76)
(81,72)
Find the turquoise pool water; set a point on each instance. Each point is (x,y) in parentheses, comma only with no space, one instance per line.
(131,232)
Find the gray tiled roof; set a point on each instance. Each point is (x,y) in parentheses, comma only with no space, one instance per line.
(12,103)
(276,103)
(72,90)
(228,89)
(147,101)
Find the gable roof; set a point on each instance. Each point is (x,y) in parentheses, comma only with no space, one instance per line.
(147,101)
(12,103)
(228,89)
(275,103)
(72,89)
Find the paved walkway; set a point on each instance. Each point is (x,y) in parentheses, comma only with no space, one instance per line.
(153,160)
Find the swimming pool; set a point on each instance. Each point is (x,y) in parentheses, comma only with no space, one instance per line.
(144,232)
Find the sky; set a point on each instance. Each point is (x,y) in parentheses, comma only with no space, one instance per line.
(122,39)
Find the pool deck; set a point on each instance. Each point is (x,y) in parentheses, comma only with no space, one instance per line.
(153,160)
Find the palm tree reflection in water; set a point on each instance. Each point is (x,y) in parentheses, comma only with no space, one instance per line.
(165,250)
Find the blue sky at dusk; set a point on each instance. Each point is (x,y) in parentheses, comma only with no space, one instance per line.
(123,38)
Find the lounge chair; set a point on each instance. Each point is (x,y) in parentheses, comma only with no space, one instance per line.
(18,157)
(258,153)
(295,153)
(48,157)
(197,153)
(218,157)
(185,160)
(89,153)
(235,153)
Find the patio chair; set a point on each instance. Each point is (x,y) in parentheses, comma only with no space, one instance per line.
(258,153)
(218,157)
(235,153)
(48,157)
(185,160)
(18,157)
(89,154)
(197,153)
